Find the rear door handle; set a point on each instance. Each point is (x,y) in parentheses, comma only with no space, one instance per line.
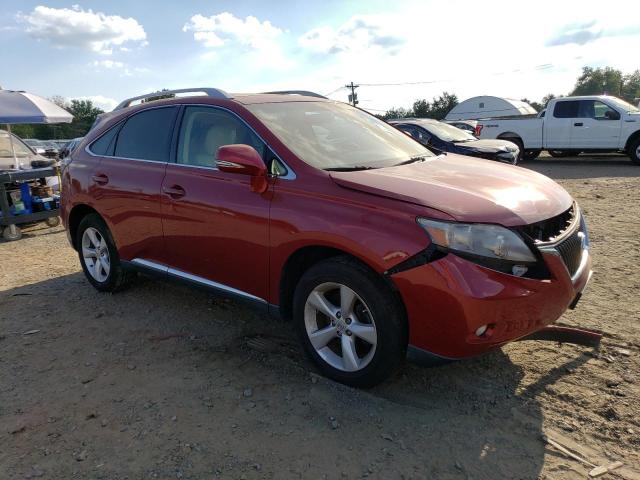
(100,179)
(175,191)
(578,124)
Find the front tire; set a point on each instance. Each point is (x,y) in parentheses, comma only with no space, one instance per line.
(634,151)
(561,153)
(350,323)
(531,154)
(99,256)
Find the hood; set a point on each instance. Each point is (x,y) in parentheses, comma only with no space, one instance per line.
(488,145)
(470,190)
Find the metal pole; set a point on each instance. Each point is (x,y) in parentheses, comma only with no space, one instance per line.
(13,150)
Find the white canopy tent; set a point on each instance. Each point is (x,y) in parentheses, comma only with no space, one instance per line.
(17,107)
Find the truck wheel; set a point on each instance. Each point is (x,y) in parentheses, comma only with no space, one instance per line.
(531,154)
(634,151)
(349,322)
(560,153)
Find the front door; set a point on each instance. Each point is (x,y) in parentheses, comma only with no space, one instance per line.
(216,229)
(126,183)
(598,126)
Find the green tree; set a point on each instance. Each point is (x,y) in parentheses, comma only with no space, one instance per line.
(597,81)
(442,105)
(396,113)
(631,87)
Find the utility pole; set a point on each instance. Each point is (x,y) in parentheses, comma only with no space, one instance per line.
(353,97)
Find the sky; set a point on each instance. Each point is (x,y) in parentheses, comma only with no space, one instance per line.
(107,51)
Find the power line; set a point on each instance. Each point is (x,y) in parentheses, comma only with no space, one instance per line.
(334,91)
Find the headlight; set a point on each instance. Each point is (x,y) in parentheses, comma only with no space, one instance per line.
(484,240)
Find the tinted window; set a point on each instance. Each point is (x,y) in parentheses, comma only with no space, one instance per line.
(104,145)
(205,129)
(147,135)
(566,109)
(596,110)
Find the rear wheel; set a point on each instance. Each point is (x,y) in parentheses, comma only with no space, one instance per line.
(99,256)
(349,322)
(634,151)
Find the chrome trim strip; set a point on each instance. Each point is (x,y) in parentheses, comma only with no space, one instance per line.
(195,278)
(149,264)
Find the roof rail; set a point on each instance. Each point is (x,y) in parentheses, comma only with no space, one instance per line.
(304,93)
(210,92)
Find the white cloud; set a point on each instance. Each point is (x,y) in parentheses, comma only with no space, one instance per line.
(124,69)
(359,33)
(105,103)
(226,30)
(95,31)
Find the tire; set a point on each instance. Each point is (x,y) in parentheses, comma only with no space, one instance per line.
(634,151)
(95,243)
(377,350)
(11,236)
(531,154)
(560,153)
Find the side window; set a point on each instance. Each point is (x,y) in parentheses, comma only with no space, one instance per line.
(423,136)
(205,129)
(602,111)
(105,144)
(567,109)
(147,135)
(410,130)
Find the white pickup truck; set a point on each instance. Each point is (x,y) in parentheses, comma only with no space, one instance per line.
(571,125)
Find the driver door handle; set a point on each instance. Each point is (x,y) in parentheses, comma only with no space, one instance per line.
(578,124)
(176,191)
(100,179)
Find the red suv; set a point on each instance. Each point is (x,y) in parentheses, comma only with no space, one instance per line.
(319,212)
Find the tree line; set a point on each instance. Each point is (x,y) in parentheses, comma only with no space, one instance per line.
(592,81)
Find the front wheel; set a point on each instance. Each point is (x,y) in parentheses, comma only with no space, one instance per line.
(99,256)
(349,322)
(531,154)
(634,151)
(561,153)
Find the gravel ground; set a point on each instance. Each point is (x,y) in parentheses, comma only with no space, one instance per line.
(163,381)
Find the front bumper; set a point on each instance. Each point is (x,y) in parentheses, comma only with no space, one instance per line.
(449,299)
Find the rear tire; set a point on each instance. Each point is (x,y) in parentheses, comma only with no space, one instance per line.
(99,256)
(634,151)
(362,346)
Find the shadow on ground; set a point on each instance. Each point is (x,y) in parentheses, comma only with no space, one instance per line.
(589,167)
(162,381)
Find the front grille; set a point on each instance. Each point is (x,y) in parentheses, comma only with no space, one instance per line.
(547,230)
(570,250)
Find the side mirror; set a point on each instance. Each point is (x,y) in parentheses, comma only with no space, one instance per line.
(243,160)
(612,115)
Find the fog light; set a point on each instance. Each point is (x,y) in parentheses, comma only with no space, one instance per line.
(480,331)
(519,270)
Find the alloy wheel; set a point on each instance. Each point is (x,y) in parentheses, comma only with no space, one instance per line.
(95,254)
(340,327)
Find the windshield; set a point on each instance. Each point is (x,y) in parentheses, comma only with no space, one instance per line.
(20,148)
(626,106)
(332,135)
(447,132)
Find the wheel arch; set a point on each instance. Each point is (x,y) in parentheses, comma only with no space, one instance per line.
(510,136)
(300,260)
(78,212)
(632,138)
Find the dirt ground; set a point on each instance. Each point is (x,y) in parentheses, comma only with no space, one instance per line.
(163,381)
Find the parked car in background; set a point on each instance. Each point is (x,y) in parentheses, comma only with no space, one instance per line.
(46,148)
(69,147)
(442,137)
(466,125)
(25,157)
(571,125)
(36,145)
(318,212)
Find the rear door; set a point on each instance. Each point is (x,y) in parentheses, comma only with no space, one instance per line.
(597,126)
(126,183)
(559,126)
(216,229)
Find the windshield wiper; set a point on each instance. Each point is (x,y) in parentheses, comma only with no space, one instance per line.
(349,169)
(412,160)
